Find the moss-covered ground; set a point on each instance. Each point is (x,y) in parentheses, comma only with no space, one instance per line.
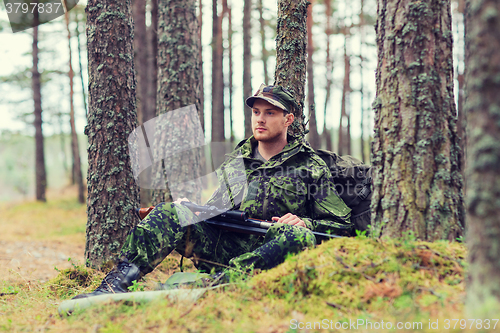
(354,282)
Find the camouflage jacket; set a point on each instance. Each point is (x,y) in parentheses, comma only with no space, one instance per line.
(294,181)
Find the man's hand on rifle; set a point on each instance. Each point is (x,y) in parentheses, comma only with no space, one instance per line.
(289,219)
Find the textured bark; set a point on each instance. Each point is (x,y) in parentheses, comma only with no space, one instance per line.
(345,128)
(265,53)
(217,77)
(247,63)
(202,85)
(227,11)
(75,150)
(141,59)
(482,108)
(80,71)
(416,155)
(40,175)
(361,90)
(112,191)
(327,137)
(144,112)
(291,47)
(313,127)
(179,86)
(152,36)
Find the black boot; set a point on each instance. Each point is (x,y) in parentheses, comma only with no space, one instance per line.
(117,281)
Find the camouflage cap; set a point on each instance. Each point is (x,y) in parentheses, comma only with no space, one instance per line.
(276,95)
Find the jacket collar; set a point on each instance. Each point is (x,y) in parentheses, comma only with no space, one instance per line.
(295,145)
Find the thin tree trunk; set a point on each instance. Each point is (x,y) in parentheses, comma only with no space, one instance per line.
(313,128)
(329,72)
(40,174)
(217,77)
(142,74)
(202,90)
(416,155)
(152,34)
(179,86)
(63,143)
(112,191)
(361,79)
(74,137)
(141,56)
(482,107)
(230,56)
(80,70)
(247,63)
(291,45)
(265,53)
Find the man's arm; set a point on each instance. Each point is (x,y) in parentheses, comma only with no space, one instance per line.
(329,214)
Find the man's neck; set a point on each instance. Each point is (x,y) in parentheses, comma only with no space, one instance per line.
(269,149)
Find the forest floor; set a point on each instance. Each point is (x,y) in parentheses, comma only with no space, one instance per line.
(349,283)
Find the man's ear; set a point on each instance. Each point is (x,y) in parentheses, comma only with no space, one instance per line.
(289,119)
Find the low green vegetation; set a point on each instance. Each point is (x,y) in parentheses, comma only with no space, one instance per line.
(352,281)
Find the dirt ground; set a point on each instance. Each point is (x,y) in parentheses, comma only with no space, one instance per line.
(36,260)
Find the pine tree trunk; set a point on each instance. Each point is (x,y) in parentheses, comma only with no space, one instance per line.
(361,79)
(265,53)
(142,74)
(141,56)
(80,70)
(482,108)
(40,175)
(74,137)
(291,46)
(327,138)
(313,128)
(112,191)
(230,61)
(416,155)
(247,63)
(202,84)
(217,77)
(179,86)
(152,36)
(344,129)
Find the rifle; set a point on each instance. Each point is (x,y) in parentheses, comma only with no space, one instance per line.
(232,220)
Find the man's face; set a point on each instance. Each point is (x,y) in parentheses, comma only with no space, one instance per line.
(268,121)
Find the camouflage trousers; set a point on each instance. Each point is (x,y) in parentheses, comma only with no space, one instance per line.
(171,227)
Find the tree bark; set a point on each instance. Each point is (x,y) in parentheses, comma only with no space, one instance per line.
(217,77)
(291,47)
(265,53)
(112,191)
(247,63)
(327,138)
(152,36)
(141,58)
(228,12)
(361,79)
(482,108)
(40,174)
(416,155)
(313,128)
(345,123)
(80,71)
(179,86)
(202,90)
(77,165)
(144,112)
